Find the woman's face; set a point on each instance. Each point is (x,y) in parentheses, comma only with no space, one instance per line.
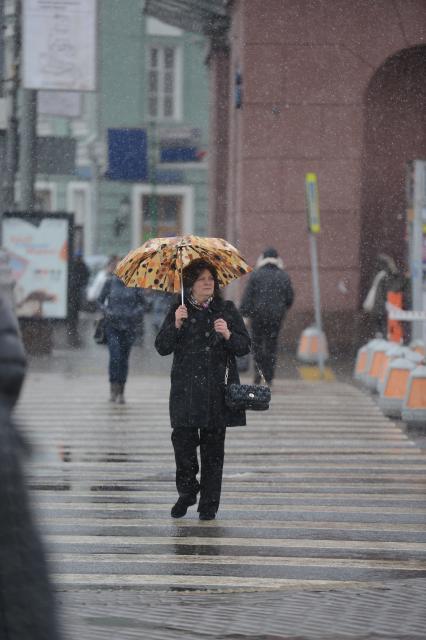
(203,287)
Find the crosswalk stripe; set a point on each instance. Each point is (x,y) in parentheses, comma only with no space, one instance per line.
(239,495)
(149,558)
(405,509)
(230,524)
(202,582)
(199,541)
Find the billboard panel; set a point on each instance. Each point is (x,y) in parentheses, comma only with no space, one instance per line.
(38,249)
(56,155)
(59,103)
(59,45)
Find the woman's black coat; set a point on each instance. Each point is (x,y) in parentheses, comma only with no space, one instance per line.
(199,363)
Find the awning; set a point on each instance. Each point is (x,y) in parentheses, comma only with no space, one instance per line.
(199,16)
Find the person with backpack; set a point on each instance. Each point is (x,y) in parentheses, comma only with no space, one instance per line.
(267,298)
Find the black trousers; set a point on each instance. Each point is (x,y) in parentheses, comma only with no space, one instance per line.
(265,332)
(212,452)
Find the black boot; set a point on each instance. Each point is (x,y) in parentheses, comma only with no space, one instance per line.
(114,391)
(120,395)
(207,514)
(181,507)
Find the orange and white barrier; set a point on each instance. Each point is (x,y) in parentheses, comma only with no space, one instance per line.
(415,357)
(414,403)
(363,359)
(395,386)
(419,347)
(394,351)
(361,362)
(375,362)
(312,345)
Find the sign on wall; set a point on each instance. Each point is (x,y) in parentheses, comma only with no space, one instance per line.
(312,202)
(127,154)
(59,103)
(38,250)
(59,45)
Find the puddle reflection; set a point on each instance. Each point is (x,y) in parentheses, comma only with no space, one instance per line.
(67,454)
(196,550)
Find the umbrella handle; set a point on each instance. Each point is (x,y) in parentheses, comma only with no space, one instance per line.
(181,277)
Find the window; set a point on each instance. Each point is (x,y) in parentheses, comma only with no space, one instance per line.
(162,215)
(163,82)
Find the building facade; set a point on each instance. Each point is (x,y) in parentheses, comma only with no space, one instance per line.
(335,88)
(136,149)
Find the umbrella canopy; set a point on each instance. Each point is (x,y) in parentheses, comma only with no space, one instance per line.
(159,262)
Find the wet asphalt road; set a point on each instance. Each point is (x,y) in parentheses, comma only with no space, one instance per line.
(323,498)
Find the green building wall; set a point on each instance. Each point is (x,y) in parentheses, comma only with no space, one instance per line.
(121,102)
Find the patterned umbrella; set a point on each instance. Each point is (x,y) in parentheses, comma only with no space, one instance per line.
(158,263)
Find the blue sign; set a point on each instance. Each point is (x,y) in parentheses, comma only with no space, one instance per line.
(179,154)
(127,154)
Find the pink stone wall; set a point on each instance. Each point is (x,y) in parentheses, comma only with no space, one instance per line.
(306,68)
(218,158)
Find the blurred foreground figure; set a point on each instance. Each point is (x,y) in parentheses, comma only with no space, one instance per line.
(26,603)
(266,300)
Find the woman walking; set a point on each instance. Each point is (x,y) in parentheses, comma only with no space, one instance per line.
(204,334)
(123,309)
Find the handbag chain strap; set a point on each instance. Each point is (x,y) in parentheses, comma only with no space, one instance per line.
(262,377)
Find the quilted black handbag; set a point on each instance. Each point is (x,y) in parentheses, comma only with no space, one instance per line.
(255,397)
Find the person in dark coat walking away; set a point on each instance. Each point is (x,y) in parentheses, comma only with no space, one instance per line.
(204,335)
(267,298)
(123,308)
(27,609)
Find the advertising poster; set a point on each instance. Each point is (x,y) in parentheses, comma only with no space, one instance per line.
(38,257)
(59,45)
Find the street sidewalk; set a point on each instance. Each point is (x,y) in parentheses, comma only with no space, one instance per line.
(321,532)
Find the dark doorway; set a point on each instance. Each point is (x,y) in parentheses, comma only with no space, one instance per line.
(394,133)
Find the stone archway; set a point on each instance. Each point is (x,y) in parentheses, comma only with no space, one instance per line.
(394,132)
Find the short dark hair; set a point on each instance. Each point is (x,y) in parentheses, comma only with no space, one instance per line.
(192,272)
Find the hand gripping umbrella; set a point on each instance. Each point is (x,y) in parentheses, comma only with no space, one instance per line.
(159,262)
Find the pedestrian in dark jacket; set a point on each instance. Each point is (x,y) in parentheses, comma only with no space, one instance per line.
(204,335)
(389,286)
(26,603)
(123,308)
(267,298)
(79,277)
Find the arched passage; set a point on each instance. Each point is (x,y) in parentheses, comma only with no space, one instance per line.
(394,132)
